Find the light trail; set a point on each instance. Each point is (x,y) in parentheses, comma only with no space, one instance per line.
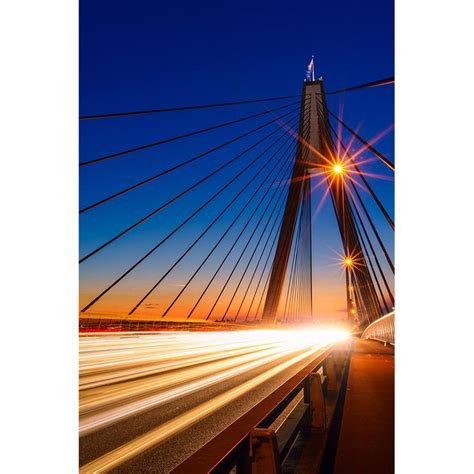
(124,375)
(176,387)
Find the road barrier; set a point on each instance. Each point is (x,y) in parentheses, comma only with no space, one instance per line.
(261,439)
(382,330)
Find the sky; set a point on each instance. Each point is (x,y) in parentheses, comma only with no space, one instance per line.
(148,54)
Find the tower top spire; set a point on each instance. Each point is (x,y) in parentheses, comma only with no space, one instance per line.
(310,70)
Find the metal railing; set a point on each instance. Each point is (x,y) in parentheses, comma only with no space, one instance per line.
(382,330)
(252,443)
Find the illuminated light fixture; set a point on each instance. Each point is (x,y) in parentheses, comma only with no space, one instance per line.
(338,169)
(353,311)
(348,261)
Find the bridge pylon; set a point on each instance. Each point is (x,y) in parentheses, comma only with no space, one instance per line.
(315,151)
(309,147)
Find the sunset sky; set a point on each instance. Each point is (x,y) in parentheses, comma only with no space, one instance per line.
(139,55)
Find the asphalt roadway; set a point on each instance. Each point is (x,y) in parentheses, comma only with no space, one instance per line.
(148,401)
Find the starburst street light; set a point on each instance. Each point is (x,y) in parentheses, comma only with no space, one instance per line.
(350,260)
(338,168)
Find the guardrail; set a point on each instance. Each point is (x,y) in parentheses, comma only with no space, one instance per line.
(382,330)
(253,443)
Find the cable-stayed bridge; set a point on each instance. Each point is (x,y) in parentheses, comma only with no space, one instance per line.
(213,230)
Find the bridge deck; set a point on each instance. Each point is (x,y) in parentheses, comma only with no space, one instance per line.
(366,439)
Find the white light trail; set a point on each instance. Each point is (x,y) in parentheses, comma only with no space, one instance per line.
(124,376)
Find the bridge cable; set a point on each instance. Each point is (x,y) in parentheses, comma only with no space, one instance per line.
(265,271)
(361,239)
(189,248)
(344,238)
(183,108)
(258,243)
(382,246)
(245,271)
(366,252)
(257,265)
(368,289)
(291,276)
(379,155)
(249,240)
(250,260)
(369,188)
(178,196)
(247,244)
(365,209)
(275,211)
(290,304)
(369,259)
(180,137)
(375,255)
(305,134)
(169,235)
(345,234)
(264,292)
(208,228)
(307,247)
(262,253)
(216,272)
(221,264)
(361,299)
(380,82)
(211,280)
(175,167)
(301,246)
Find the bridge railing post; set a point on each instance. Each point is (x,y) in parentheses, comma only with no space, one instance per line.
(315,388)
(318,403)
(331,373)
(264,454)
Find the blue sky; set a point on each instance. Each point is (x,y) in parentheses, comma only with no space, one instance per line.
(148,54)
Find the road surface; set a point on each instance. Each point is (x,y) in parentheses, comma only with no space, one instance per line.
(149,400)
